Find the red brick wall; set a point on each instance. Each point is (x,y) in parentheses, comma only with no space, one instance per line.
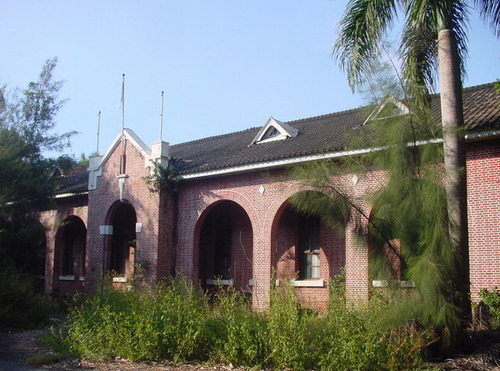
(264,208)
(145,203)
(51,220)
(483,192)
(171,225)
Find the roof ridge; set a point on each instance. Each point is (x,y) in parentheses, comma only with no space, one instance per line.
(328,114)
(216,136)
(331,114)
(480,86)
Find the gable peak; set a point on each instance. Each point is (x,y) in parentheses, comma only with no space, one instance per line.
(274,130)
(389,107)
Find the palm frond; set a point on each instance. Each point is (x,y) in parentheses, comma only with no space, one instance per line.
(360,31)
(425,18)
(490,11)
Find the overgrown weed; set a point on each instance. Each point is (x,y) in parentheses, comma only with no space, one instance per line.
(175,321)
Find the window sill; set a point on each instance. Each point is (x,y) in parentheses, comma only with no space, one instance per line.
(120,279)
(228,282)
(385,283)
(66,278)
(308,283)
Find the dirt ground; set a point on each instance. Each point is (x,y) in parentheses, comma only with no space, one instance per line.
(17,348)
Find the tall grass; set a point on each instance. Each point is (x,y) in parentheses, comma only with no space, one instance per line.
(176,321)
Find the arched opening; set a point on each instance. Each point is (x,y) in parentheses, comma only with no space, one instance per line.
(70,243)
(226,246)
(306,253)
(122,242)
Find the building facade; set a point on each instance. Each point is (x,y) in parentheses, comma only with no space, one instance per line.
(229,220)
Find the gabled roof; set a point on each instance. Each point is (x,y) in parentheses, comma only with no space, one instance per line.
(73,182)
(326,135)
(316,136)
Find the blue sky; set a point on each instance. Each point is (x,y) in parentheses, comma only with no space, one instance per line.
(225,65)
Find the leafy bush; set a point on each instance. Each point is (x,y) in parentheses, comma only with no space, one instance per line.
(492,299)
(176,322)
(21,306)
(242,336)
(165,323)
(287,331)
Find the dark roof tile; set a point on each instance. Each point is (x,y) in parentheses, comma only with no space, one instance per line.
(320,134)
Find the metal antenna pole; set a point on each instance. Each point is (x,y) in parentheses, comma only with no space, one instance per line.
(161,118)
(98,130)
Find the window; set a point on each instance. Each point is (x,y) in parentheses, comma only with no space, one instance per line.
(222,244)
(271,132)
(73,247)
(123,241)
(309,248)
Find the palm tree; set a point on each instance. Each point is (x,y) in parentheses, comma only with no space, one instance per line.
(433,42)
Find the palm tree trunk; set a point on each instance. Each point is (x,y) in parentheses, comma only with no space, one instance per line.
(454,161)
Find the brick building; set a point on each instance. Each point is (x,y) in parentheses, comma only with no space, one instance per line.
(230,221)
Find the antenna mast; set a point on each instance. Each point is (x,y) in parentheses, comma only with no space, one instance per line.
(98,130)
(123,102)
(161,118)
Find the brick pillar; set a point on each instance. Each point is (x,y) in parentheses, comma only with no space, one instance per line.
(357,280)
(261,267)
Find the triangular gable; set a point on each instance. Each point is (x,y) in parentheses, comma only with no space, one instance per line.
(96,162)
(390,107)
(274,130)
(132,137)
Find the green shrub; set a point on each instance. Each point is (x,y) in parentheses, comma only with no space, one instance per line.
(21,307)
(287,331)
(168,322)
(176,322)
(492,299)
(242,335)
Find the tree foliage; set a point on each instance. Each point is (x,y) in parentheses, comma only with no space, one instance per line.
(27,123)
(366,22)
(403,221)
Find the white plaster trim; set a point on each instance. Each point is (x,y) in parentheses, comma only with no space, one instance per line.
(482,135)
(64,195)
(120,279)
(285,131)
(136,142)
(307,283)
(66,278)
(385,283)
(217,282)
(403,109)
(106,229)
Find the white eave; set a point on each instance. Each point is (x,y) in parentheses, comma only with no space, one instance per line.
(482,135)
(71,194)
(289,161)
(323,156)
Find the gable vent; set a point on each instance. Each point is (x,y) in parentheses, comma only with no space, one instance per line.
(274,130)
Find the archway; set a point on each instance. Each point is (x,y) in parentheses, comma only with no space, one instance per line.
(226,246)
(306,253)
(121,243)
(70,248)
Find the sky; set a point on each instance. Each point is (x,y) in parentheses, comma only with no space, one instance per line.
(224,65)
